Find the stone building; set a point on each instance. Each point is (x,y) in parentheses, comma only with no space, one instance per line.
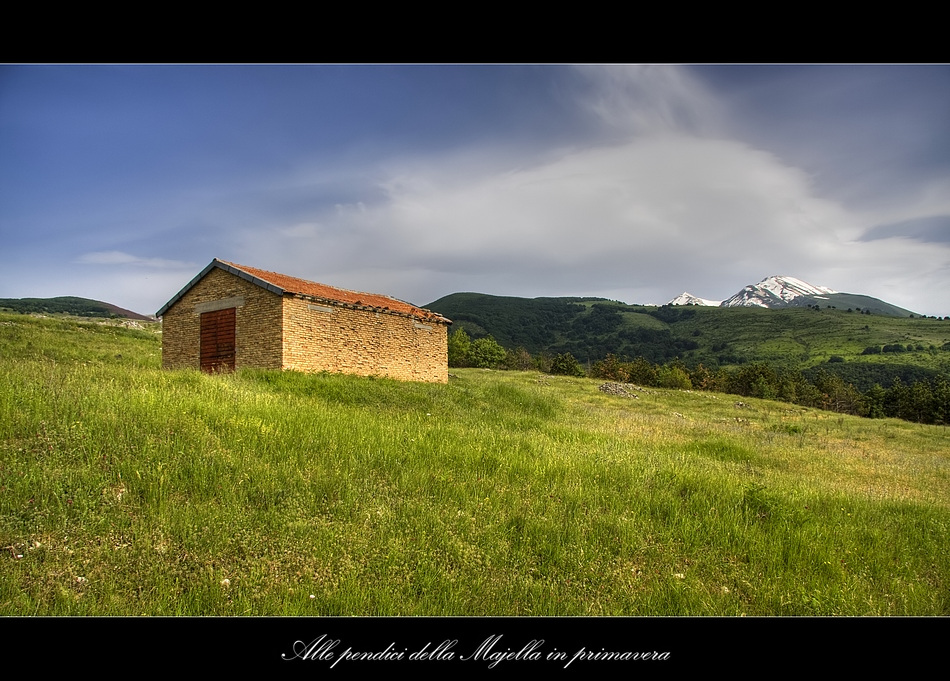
(232,316)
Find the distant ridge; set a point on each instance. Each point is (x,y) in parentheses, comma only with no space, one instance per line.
(72,305)
(781,291)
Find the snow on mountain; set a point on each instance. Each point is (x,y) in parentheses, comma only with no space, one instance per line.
(689,299)
(774,292)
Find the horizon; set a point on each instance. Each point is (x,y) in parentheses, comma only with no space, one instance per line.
(632,183)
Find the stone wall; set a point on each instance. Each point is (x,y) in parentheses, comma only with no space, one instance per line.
(322,337)
(258,315)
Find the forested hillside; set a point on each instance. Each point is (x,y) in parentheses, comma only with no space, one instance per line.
(843,360)
(591,328)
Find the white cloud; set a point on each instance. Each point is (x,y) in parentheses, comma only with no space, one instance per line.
(120,258)
(650,217)
(643,199)
(663,203)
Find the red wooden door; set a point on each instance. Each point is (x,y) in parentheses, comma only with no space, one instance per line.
(217,340)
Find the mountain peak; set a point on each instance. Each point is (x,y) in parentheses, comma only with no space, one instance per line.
(686,298)
(775,291)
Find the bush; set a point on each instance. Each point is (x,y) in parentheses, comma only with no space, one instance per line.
(566,365)
(674,377)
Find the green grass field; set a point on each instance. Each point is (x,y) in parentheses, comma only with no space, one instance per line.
(128,490)
(803,337)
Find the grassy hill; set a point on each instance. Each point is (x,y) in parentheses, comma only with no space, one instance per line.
(800,338)
(128,490)
(854,301)
(69,305)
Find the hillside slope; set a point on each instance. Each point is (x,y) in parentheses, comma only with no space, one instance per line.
(799,337)
(71,305)
(128,490)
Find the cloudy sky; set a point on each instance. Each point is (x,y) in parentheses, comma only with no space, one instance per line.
(635,183)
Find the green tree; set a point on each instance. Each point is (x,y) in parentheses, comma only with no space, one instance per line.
(755,380)
(543,362)
(941,402)
(460,348)
(874,401)
(566,365)
(920,407)
(642,372)
(486,353)
(896,399)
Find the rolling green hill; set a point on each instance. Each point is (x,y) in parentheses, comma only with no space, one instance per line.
(126,490)
(794,337)
(853,301)
(69,305)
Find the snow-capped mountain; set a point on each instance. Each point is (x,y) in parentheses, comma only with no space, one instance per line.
(689,299)
(775,292)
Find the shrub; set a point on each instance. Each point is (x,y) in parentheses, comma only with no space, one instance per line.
(566,365)
(674,377)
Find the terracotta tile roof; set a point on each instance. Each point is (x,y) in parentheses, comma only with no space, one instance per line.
(332,294)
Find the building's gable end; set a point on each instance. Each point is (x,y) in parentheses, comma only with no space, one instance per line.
(227,267)
(258,332)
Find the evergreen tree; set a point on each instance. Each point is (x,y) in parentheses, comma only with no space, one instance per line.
(941,401)
(642,372)
(874,401)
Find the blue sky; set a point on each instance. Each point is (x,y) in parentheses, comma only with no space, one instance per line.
(636,183)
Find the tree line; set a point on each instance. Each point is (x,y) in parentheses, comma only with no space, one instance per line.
(923,401)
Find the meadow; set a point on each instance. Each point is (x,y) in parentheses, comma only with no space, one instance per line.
(129,490)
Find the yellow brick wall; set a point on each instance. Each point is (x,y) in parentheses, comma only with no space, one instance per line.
(298,333)
(323,337)
(257,333)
